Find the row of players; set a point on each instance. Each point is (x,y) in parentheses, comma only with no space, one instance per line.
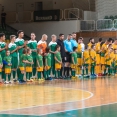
(98,57)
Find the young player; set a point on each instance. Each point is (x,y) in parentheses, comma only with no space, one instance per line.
(3,47)
(97,49)
(47,58)
(1,65)
(13,50)
(22,63)
(79,56)
(74,62)
(32,44)
(108,60)
(29,64)
(115,62)
(93,60)
(52,46)
(7,59)
(86,62)
(39,64)
(58,61)
(103,51)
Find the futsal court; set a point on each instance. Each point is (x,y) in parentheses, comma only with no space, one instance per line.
(60,98)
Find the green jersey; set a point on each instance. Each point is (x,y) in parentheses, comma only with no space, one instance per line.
(52,46)
(40,60)
(20,42)
(11,47)
(0,60)
(58,56)
(8,60)
(33,46)
(74,56)
(30,59)
(3,52)
(22,58)
(48,59)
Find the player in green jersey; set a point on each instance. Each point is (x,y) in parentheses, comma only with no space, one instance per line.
(74,62)
(39,64)
(22,63)
(47,58)
(3,47)
(21,44)
(8,65)
(32,44)
(1,65)
(13,50)
(52,46)
(58,61)
(29,64)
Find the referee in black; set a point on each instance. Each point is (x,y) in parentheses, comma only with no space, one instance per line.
(62,51)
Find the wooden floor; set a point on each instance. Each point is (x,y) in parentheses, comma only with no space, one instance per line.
(54,97)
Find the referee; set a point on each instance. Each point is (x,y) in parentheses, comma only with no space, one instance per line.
(68,50)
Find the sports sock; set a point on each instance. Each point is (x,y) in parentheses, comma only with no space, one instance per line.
(34,71)
(68,69)
(14,74)
(39,75)
(9,77)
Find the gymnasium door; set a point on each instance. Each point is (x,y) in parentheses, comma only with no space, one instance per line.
(20,9)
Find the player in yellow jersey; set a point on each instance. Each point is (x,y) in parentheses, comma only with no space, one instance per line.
(115,61)
(91,42)
(97,49)
(108,60)
(86,62)
(79,56)
(114,45)
(93,61)
(104,49)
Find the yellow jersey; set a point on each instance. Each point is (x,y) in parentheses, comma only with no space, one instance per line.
(86,57)
(97,47)
(93,56)
(89,45)
(114,46)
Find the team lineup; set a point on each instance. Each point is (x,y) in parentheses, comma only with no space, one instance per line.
(60,59)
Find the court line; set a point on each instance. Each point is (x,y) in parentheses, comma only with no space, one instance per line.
(91,95)
(62,111)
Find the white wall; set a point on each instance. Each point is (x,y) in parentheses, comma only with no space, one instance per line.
(49,28)
(106,8)
(89,15)
(10,5)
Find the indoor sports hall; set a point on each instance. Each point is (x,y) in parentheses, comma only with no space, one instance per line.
(58,58)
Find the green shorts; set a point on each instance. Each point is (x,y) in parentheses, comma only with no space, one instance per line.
(14,62)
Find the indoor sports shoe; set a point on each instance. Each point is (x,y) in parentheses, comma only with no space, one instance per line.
(6,82)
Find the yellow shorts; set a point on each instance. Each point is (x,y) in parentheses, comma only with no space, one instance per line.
(7,70)
(73,66)
(40,69)
(47,67)
(79,61)
(0,70)
(98,59)
(102,60)
(21,68)
(57,66)
(28,69)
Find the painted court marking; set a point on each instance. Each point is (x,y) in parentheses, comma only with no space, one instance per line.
(91,94)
